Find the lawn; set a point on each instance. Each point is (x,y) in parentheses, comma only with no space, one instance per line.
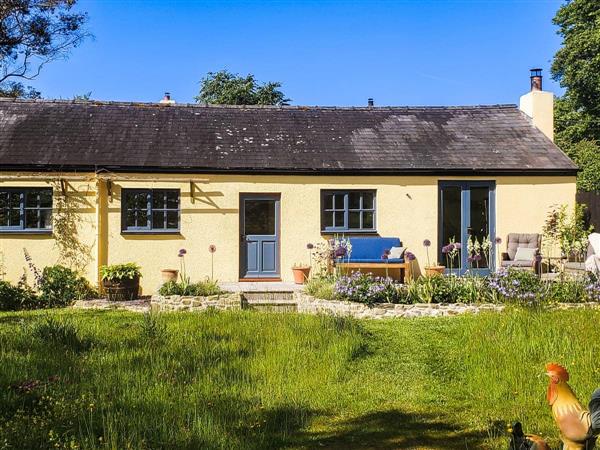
(253,380)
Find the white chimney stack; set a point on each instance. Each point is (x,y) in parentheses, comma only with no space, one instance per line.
(539,105)
(167,99)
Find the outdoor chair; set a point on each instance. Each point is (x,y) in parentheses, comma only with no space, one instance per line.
(591,263)
(528,257)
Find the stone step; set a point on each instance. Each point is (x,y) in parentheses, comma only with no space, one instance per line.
(283,297)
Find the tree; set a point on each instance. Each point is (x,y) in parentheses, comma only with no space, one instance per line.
(576,67)
(33,33)
(226,88)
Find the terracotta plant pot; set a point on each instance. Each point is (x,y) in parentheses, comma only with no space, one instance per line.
(169,275)
(120,290)
(434,271)
(301,274)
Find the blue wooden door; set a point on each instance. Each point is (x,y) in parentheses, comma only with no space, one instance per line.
(259,236)
(467,213)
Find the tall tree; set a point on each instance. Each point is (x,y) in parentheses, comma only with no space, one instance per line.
(33,33)
(226,88)
(576,67)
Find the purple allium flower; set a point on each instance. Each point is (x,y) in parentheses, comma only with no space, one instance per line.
(498,240)
(410,256)
(340,252)
(470,259)
(477,257)
(457,246)
(310,246)
(182,251)
(445,249)
(426,243)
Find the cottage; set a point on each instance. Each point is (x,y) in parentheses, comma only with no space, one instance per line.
(116,182)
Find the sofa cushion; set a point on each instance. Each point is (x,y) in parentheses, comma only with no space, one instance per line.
(397,252)
(517,263)
(525,254)
(516,240)
(371,248)
(573,265)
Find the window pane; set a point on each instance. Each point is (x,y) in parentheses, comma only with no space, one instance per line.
(328,219)
(158,219)
(46,198)
(15,200)
(172,220)
(142,218)
(368,222)
(354,219)
(3,217)
(339,201)
(158,200)
(339,220)
(259,217)
(31,199)
(31,218)
(328,201)
(354,200)
(46,219)
(172,199)
(368,200)
(4,200)
(14,218)
(130,218)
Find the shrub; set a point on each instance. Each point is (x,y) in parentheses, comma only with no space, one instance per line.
(15,298)
(202,288)
(59,286)
(365,288)
(118,272)
(321,287)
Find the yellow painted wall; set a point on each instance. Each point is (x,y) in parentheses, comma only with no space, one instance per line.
(42,247)
(407,207)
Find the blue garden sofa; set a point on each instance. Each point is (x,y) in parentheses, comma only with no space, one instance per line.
(367,253)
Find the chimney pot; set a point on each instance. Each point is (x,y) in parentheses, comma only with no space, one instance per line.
(370,102)
(536,79)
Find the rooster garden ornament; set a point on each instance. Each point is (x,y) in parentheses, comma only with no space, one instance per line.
(579,427)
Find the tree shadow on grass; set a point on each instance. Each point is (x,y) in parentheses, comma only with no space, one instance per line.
(393,429)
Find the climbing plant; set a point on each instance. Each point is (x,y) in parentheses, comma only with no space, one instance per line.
(66,224)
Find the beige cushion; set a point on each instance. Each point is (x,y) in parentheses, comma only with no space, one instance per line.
(396,252)
(525,254)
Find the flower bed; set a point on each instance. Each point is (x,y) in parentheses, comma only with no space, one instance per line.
(505,286)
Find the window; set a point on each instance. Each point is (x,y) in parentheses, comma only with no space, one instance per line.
(25,209)
(150,210)
(348,211)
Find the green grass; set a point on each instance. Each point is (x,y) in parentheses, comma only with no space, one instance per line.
(253,381)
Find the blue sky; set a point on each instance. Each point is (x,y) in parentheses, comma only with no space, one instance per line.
(443,52)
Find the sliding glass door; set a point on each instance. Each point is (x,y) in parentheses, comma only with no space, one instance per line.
(467,217)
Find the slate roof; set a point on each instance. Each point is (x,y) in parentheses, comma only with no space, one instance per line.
(81,136)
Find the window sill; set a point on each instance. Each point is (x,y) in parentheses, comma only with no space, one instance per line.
(333,232)
(28,232)
(150,232)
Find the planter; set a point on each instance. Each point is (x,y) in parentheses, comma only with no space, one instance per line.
(119,290)
(434,271)
(300,274)
(169,275)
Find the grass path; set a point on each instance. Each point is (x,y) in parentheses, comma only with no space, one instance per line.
(118,380)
